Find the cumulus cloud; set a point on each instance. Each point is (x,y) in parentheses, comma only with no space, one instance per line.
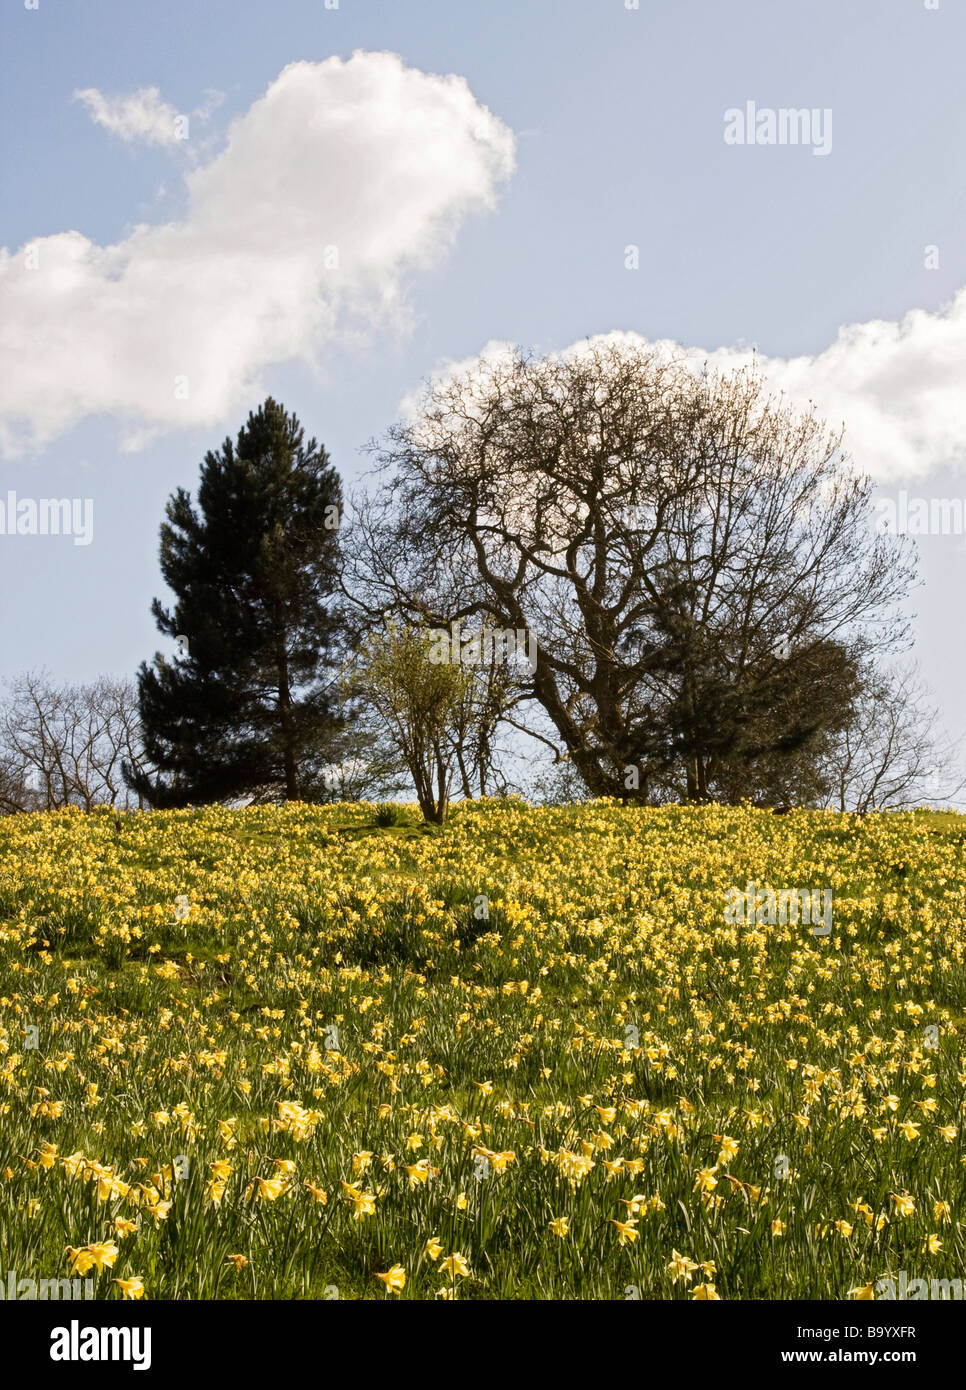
(142,115)
(335,185)
(896,386)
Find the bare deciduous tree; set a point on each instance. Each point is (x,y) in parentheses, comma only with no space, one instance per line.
(15,793)
(666,534)
(892,754)
(67,743)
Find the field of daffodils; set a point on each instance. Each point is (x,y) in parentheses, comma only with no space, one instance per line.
(283,1053)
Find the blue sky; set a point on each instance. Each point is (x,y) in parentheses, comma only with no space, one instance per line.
(617,119)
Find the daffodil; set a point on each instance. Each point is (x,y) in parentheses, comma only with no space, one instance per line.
(394,1279)
(131,1288)
(680,1267)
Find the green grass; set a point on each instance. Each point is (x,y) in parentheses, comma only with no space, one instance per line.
(483,978)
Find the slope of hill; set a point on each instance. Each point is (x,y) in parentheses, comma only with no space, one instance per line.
(283,1053)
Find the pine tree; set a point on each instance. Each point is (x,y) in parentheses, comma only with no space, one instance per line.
(242,708)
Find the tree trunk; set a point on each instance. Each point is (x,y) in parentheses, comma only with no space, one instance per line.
(285,717)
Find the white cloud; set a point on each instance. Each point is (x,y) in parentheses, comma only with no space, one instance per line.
(897,387)
(173,324)
(142,115)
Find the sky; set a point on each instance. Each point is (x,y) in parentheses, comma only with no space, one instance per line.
(204,204)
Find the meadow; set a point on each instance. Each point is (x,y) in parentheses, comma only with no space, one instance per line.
(286,1052)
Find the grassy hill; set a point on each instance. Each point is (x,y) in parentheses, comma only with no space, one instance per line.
(280,1052)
